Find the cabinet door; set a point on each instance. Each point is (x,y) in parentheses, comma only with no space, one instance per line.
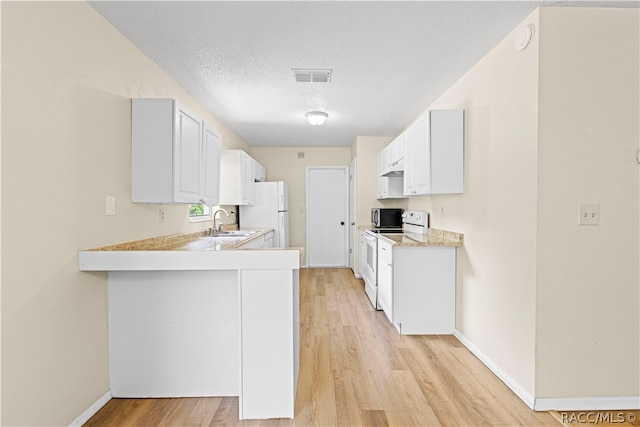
(417,169)
(362,253)
(248,180)
(188,134)
(259,173)
(268,240)
(409,162)
(421,156)
(446,134)
(382,181)
(210,174)
(385,278)
(257,243)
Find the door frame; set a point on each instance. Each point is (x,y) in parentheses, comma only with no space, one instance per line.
(308,169)
(353,240)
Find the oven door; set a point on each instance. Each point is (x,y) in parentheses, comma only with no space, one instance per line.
(370,268)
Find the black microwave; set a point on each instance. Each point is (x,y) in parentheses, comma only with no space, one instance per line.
(386,217)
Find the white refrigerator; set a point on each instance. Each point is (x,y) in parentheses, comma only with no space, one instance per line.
(270,209)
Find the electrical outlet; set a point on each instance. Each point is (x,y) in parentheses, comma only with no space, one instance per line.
(589,215)
(161,215)
(110,205)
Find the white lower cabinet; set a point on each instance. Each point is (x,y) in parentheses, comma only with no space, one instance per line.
(268,240)
(416,287)
(265,241)
(385,277)
(362,253)
(194,333)
(157,321)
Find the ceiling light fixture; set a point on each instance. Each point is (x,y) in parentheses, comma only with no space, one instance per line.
(316,118)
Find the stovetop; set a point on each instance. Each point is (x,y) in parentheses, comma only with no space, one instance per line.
(387,230)
(415,222)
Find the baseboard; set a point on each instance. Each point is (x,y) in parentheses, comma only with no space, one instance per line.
(504,377)
(587,403)
(552,403)
(92,410)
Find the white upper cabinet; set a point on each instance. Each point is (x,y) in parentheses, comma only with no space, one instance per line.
(237,177)
(211,175)
(416,174)
(259,173)
(393,157)
(388,187)
(434,154)
(175,156)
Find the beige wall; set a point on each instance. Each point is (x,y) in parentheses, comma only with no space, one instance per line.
(496,268)
(283,164)
(67,80)
(556,306)
(588,305)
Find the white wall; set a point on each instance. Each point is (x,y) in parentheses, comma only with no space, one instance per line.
(588,303)
(67,80)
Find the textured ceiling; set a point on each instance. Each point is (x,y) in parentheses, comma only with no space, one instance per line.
(390,60)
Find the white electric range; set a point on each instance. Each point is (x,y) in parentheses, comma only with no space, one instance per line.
(413,222)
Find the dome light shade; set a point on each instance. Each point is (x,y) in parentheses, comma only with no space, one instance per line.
(316,118)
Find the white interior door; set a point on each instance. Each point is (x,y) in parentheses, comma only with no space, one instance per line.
(327,216)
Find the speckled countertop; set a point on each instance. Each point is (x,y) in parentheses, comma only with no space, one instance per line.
(186,242)
(434,237)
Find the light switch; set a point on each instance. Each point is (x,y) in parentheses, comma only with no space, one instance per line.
(110,205)
(589,215)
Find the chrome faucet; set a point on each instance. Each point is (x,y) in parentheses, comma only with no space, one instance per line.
(214,220)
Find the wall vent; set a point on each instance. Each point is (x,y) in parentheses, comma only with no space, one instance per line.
(308,75)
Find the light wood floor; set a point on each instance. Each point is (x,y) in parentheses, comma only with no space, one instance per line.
(355,370)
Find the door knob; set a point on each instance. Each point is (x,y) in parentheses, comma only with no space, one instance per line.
(341,222)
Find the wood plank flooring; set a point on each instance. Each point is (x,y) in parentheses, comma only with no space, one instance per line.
(356,370)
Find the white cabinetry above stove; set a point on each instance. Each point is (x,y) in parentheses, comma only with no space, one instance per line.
(426,159)
(389,187)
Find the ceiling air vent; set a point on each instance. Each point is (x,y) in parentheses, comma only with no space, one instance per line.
(307,75)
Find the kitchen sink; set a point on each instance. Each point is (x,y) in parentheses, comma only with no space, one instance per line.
(212,243)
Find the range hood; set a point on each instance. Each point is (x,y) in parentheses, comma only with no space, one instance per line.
(394,169)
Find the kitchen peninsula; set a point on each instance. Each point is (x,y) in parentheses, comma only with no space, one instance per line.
(195,315)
